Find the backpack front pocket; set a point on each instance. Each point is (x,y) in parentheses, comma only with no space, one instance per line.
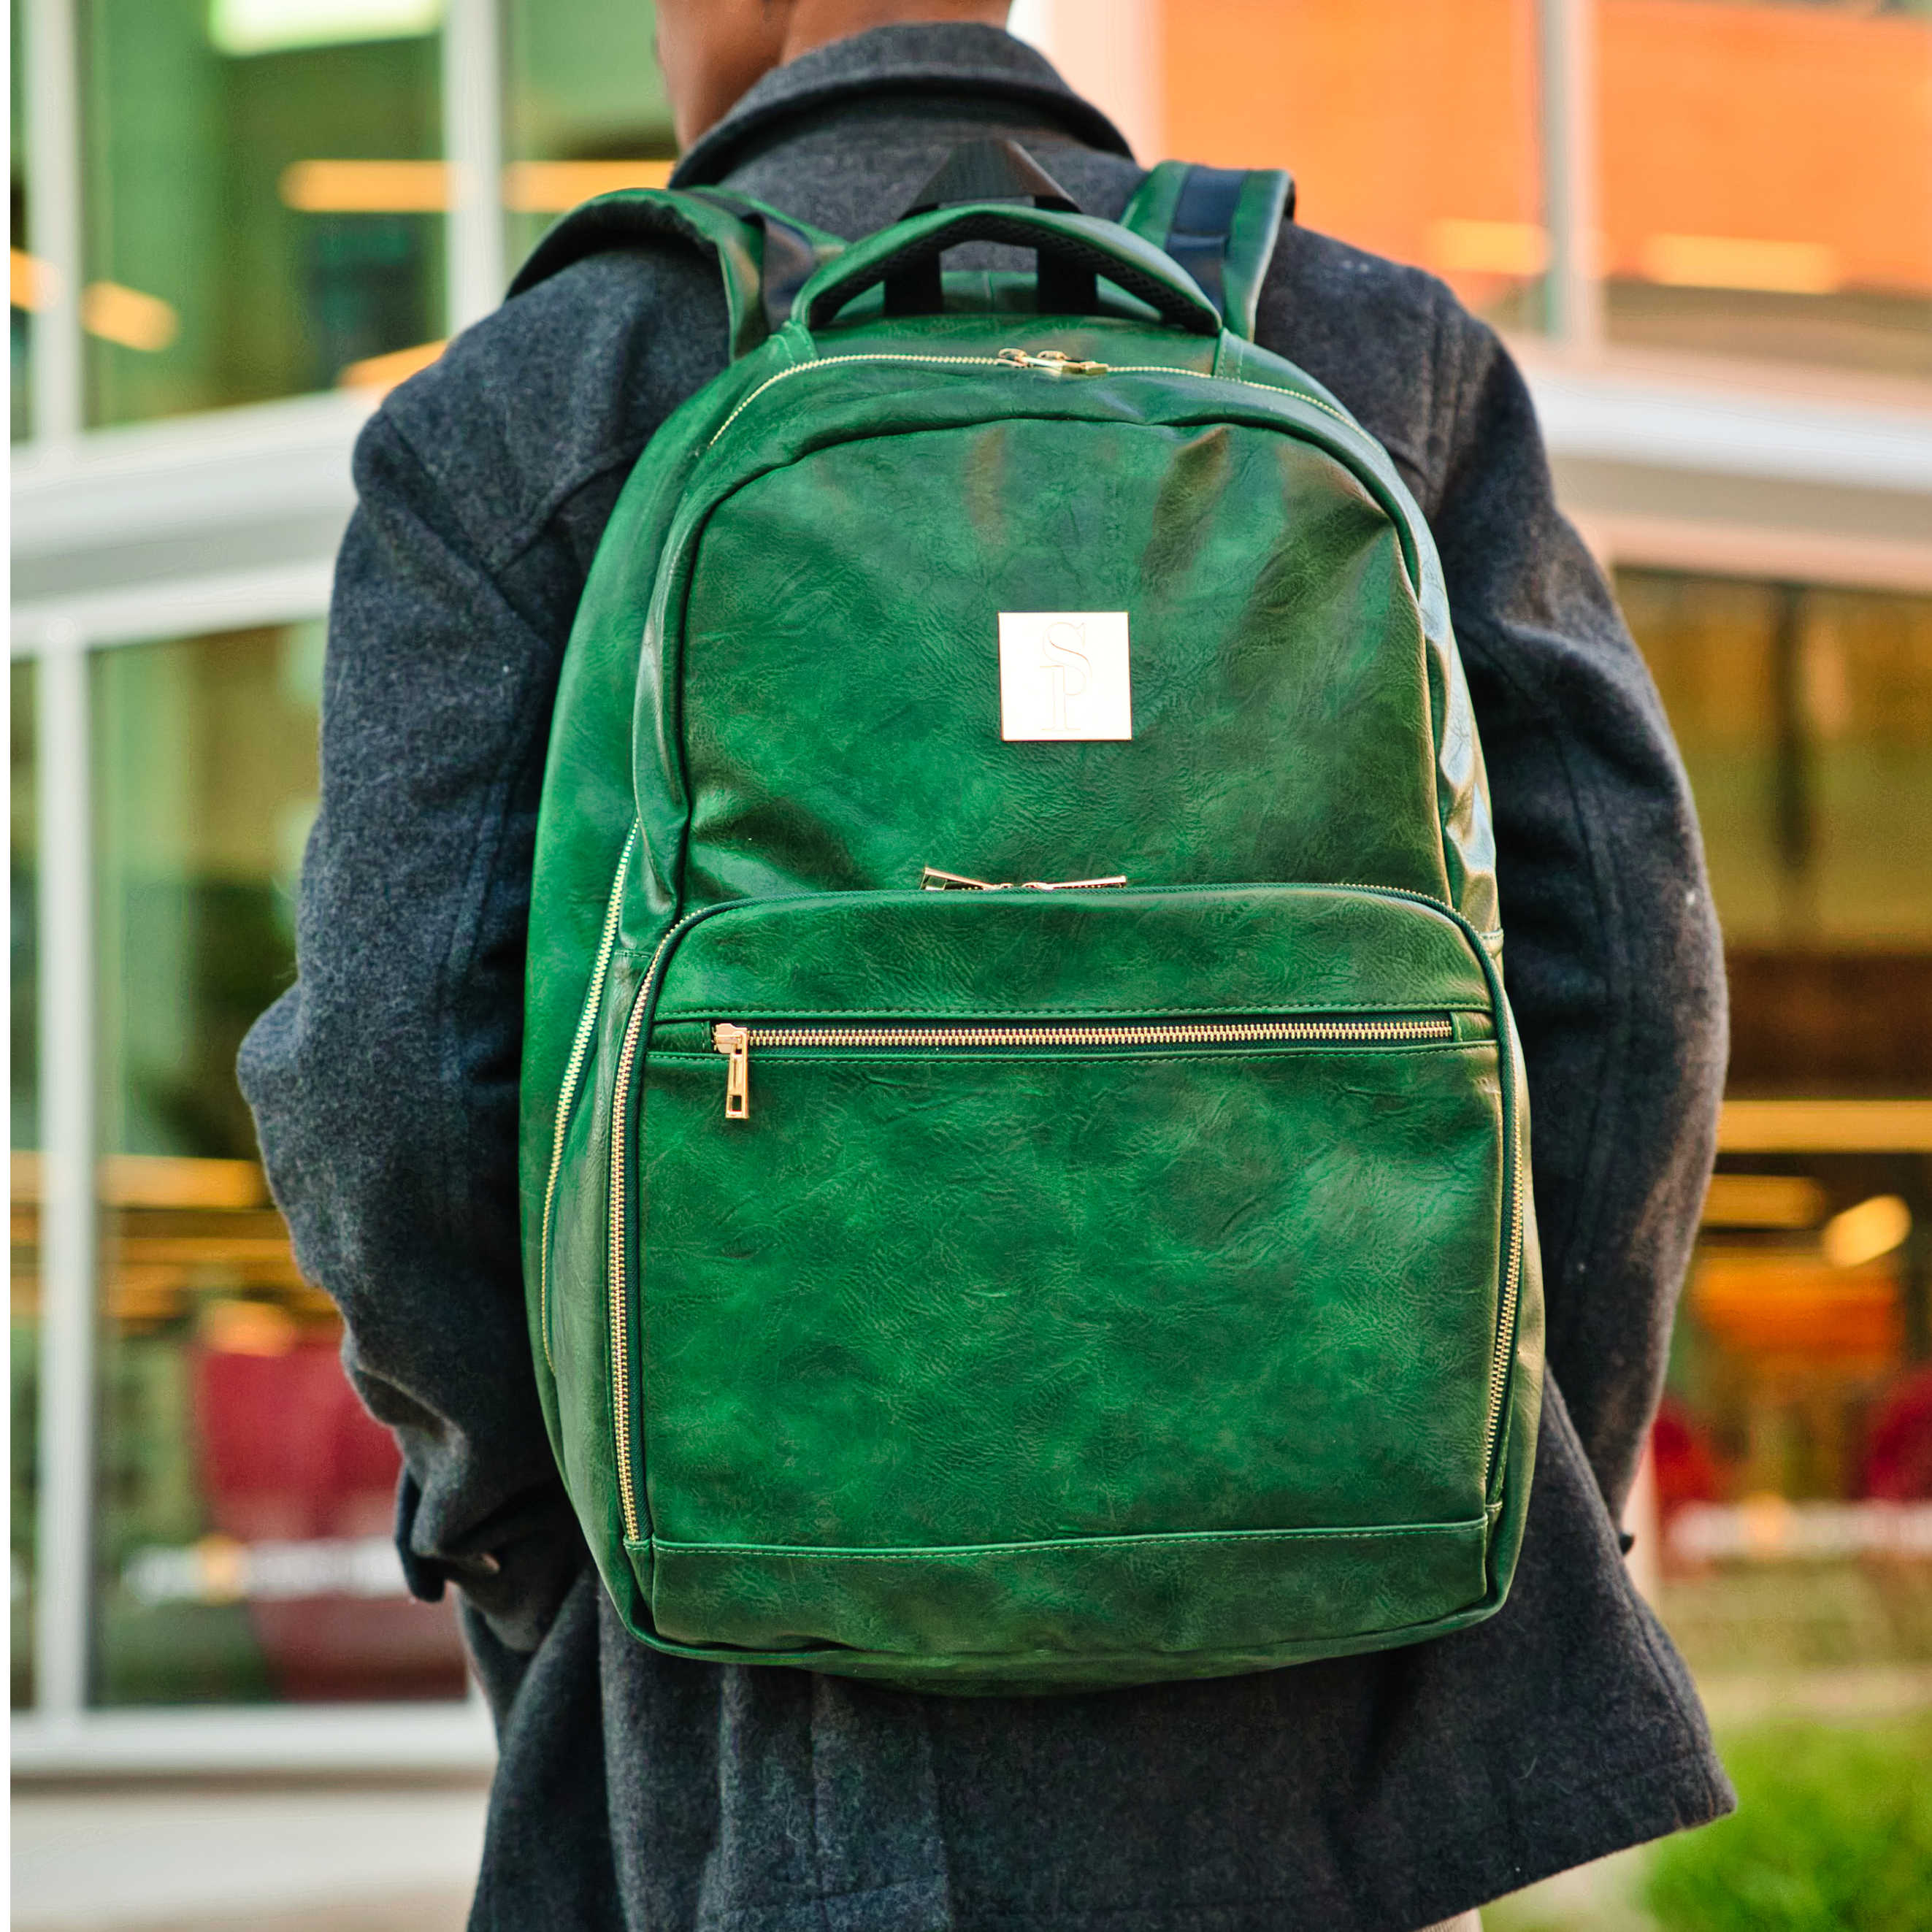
(1044,1276)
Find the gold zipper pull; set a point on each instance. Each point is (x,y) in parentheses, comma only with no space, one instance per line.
(932,880)
(1055,361)
(735,1043)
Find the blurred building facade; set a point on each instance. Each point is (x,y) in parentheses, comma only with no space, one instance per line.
(1705,226)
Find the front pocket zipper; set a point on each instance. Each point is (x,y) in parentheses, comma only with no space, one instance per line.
(736,1042)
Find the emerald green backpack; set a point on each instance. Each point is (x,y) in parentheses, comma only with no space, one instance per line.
(1024,1151)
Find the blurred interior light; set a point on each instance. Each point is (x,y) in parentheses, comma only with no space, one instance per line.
(1458,246)
(384,372)
(156,1180)
(235,1327)
(366,188)
(424,187)
(117,314)
(176,1181)
(550,187)
(31,282)
(1763,1200)
(1825,1127)
(1863,1233)
(273,26)
(1729,262)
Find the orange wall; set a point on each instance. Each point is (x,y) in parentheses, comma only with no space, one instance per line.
(1777,123)
(1390,113)
(1757,121)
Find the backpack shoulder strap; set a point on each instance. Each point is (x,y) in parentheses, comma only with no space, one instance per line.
(1220,224)
(763,257)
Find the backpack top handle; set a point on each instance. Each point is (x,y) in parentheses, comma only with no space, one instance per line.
(1077,245)
(984,171)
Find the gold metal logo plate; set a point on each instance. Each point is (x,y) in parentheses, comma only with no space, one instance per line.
(1064,674)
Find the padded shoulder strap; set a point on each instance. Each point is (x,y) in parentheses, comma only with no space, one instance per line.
(764,258)
(1220,224)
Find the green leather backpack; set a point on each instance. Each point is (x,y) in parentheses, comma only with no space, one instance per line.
(1024,1150)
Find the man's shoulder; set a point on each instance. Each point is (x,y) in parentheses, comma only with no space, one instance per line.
(1392,342)
(558,386)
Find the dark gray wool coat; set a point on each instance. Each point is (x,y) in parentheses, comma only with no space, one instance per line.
(1372,1794)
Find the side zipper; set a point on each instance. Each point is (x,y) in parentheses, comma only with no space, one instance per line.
(618,1310)
(1499,1361)
(573,1071)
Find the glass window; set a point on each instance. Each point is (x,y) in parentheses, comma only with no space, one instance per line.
(1766,192)
(23,1330)
(245,1497)
(1804,715)
(1794,1451)
(264,197)
(584,109)
(1411,128)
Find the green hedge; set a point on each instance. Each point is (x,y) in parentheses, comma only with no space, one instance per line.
(1833,1833)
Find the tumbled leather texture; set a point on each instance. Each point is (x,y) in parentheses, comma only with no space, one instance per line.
(1044,1369)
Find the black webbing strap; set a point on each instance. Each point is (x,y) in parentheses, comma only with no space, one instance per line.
(1204,219)
(1220,224)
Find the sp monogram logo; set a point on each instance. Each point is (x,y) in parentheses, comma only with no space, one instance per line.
(1064,674)
(1069,670)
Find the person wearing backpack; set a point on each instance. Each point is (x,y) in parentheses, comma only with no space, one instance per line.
(901,1065)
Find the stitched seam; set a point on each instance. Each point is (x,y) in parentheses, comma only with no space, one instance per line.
(1178,1540)
(518,545)
(509,550)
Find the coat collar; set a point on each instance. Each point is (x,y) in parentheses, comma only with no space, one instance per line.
(954,59)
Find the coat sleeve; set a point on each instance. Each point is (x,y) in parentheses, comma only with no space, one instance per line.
(1611,955)
(384,1082)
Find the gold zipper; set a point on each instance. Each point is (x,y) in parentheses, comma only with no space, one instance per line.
(620,1348)
(573,1071)
(736,1042)
(1053,362)
(1505,1325)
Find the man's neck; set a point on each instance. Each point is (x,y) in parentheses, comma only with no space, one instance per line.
(817,23)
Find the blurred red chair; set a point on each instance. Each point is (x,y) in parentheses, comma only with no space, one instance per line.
(1898,1448)
(288,1454)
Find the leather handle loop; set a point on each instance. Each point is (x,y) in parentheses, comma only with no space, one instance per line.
(1069,246)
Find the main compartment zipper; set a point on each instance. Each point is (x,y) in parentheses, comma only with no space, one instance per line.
(1050,361)
(736,1042)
